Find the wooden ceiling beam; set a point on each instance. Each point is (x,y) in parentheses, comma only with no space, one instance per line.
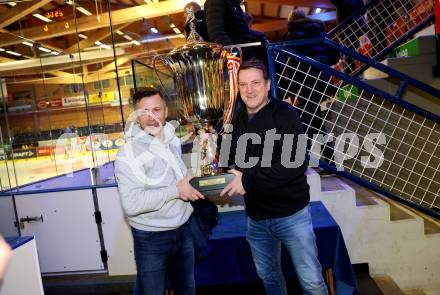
(306,3)
(271,26)
(49,69)
(92,38)
(109,67)
(57,63)
(281,24)
(20,10)
(89,23)
(59,60)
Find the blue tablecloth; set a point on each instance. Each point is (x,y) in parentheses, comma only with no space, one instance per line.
(229,259)
(15,242)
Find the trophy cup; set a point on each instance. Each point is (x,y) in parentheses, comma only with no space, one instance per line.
(198,73)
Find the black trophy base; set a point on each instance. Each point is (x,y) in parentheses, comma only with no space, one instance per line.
(212,185)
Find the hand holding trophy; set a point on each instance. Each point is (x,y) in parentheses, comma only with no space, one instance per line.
(198,72)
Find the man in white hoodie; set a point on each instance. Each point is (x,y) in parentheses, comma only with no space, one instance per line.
(155,192)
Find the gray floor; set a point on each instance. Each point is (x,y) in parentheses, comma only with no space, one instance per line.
(123,285)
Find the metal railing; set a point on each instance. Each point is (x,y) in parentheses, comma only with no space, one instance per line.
(380,27)
(377,138)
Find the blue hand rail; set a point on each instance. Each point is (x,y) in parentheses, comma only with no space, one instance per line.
(420,144)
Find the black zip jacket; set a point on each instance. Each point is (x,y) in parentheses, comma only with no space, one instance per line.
(273,191)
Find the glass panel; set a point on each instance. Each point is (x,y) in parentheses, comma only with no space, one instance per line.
(61,110)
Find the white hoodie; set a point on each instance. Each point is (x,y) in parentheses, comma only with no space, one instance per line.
(147,170)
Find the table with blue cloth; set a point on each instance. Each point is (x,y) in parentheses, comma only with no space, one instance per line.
(229,258)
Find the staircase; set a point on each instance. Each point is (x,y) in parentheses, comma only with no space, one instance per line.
(400,244)
(394,240)
(415,58)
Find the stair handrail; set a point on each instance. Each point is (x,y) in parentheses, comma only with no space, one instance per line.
(287,48)
(400,40)
(407,81)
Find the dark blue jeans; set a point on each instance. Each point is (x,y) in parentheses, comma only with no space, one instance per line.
(164,254)
(296,233)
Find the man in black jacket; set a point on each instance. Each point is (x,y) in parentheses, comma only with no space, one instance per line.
(273,183)
(227,25)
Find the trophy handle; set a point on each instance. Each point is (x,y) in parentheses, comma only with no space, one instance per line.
(233,58)
(237,49)
(157,75)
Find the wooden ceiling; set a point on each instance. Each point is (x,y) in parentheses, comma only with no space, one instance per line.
(84,28)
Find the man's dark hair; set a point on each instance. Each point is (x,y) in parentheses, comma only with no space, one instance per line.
(145,92)
(254,63)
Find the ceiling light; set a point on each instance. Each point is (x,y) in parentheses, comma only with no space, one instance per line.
(172,25)
(1,49)
(83,10)
(44,49)
(27,43)
(176,30)
(82,36)
(12,3)
(43,18)
(318,10)
(13,53)
(119,32)
(128,37)
(136,42)
(102,45)
(55,53)
(154,30)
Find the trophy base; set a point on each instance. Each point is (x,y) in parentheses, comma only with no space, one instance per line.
(212,185)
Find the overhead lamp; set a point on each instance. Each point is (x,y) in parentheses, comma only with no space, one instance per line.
(172,25)
(13,53)
(1,49)
(83,10)
(55,52)
(82,36)
(127,37)
(102,45)
(318,10)
(27,43)
(120,33)
(135,42)
(177,31)
(12,3)
(44,49)
(43,18)
(154,30)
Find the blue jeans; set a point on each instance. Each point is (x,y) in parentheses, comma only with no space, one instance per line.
(295,232)
(164,254)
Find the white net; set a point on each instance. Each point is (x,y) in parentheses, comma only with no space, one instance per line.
(383,24)
(407,159)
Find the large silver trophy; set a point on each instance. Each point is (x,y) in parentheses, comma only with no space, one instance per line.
(198,72)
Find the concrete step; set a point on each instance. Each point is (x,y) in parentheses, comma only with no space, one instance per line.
(401,211)
(387,236)
(365,195)
(387,285)
(432,292)
(414,292)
